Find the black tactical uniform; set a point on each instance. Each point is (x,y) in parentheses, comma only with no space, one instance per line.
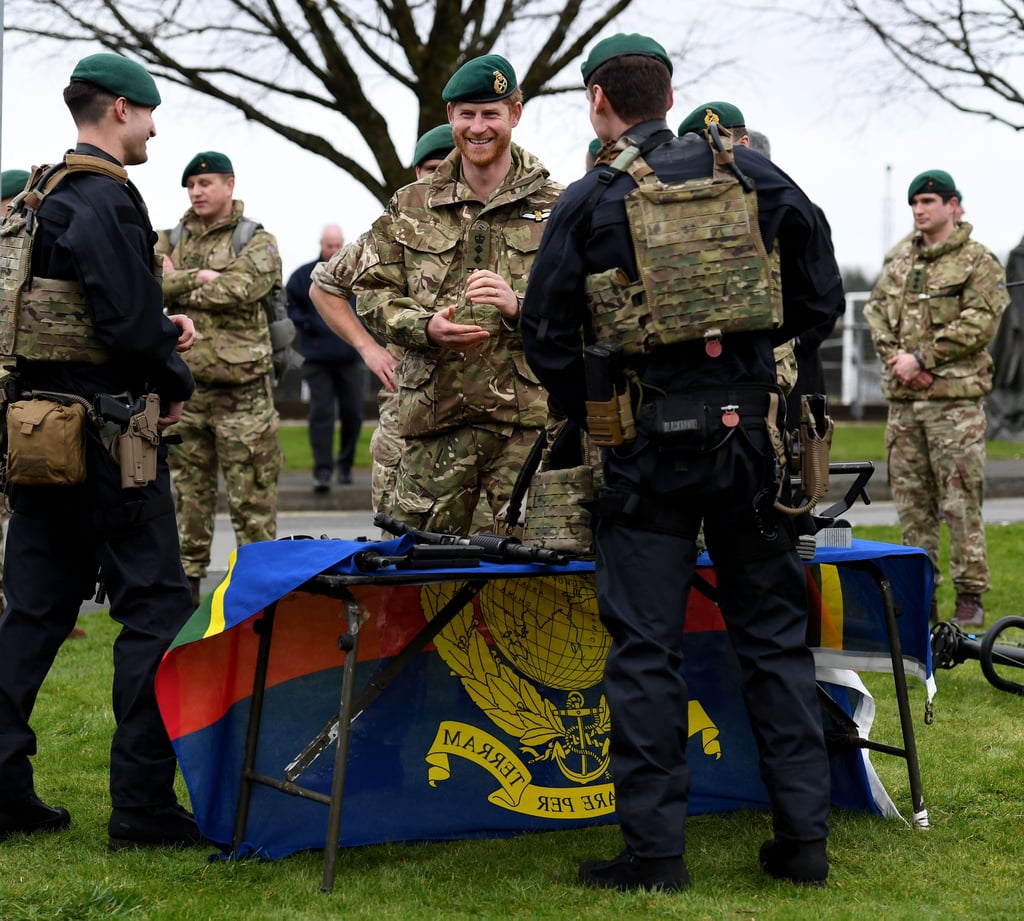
(656,497)
(95,230)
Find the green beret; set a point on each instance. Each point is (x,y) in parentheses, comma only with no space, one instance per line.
(209,161)
(933,180)
(435,144)
(118,75)
(620,44)
(483,79)
(725,113)
(12,181)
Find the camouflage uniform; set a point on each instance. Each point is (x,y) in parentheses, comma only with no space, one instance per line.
(468,419)
(942,302)
(230,423)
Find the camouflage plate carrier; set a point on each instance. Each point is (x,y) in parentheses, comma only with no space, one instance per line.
(45,319)
(704,271)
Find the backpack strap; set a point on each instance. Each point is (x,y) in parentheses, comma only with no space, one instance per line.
(243,233)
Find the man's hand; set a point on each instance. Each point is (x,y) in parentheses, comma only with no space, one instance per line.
(186,331)
(207,275)
(382,363)
(908,371)
(444,332)
(173,415)
(487,287)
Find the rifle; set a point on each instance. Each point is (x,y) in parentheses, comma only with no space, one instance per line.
(494,548)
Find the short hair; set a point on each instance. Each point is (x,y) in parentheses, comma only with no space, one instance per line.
(87,102)
(637,86)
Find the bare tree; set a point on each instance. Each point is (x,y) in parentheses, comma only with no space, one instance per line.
(967,54)
(295,66)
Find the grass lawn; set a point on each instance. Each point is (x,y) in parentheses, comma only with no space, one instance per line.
(852,441)
(966,866)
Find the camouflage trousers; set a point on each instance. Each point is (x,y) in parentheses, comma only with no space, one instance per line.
(936,452)
(386,447)
(233,430)
(441,479)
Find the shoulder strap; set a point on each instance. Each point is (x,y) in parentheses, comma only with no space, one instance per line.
(243,233)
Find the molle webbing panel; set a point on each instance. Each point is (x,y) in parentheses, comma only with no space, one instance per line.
(45,319)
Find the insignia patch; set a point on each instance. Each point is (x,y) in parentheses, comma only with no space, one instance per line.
(537,216)
(710,117)
(500,82)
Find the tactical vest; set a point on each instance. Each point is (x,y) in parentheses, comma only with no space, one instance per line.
(704,271)
(45,319)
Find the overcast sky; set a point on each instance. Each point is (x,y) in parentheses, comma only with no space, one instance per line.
(853,151)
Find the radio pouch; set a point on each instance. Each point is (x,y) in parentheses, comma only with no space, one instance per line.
(45,442)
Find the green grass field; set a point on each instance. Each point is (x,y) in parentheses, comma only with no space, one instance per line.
(852,441)
(966,866)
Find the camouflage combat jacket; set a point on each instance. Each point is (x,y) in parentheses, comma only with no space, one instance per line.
(417,261)
(233,345)
(944,302)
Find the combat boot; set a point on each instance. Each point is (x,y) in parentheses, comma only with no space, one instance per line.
(626,872)
(30,814)
(969,611)
(803,863)
(158,826)
(193,584)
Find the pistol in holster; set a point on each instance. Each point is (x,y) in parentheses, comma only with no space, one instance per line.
(610,419)
(135,449)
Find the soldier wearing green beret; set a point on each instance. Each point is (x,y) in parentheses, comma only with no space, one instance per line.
(607,270)
(932,315)
(92,259)
(230,424)
(441,277)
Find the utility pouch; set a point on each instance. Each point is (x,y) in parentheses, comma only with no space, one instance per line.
(556,518)
(678,422)
(610,420)
(135,449)
(45,442)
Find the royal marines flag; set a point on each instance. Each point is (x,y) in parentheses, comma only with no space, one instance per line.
(498,725)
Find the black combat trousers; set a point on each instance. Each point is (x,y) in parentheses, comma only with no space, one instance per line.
(643,581)
(58,537)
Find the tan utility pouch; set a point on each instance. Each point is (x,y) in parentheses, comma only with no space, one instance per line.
(135,449)
(611,423)
(45,443)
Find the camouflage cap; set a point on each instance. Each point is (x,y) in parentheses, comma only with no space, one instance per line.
(484,79)
(120,76)
(435,144)
(724,113)
(209,161)
(623,43)
(937,181)
(12,181)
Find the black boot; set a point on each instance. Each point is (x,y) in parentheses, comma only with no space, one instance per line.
(30,814)
(804,863)
(167,826)
(626,872)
